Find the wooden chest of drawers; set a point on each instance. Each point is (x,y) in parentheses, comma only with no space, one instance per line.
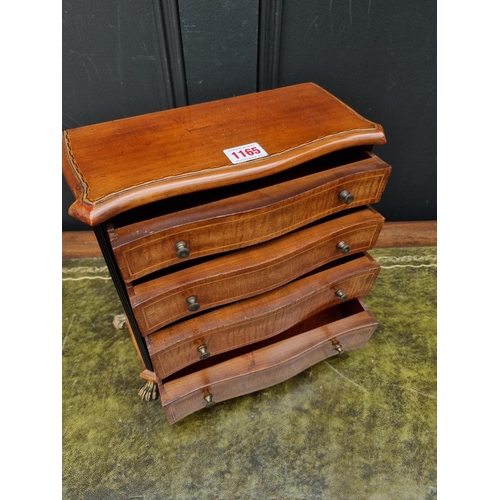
(236,234)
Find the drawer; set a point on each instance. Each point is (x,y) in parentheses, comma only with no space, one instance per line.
(255,319)
(218,221)
(251,271)
(339,329)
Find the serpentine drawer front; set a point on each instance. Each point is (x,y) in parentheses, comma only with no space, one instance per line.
(251,271)
(236,233)
(322,336)
(265,211)
(259,317)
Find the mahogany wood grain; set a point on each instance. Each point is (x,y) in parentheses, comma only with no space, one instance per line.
(251,271)
(114,166)
(176,347)
(267,366)
(264,290)
(83,244)
(257,318)
(253,217)
(352,277)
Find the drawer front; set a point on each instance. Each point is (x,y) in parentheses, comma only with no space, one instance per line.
(258,318)
(251,271)
(256,370)
(247,219)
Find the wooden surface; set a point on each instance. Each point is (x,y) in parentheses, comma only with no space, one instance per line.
(83,244)
(260,268)
(257,318)
(284,356)
(115,166)
(246,219)
(171,305)
(160,179)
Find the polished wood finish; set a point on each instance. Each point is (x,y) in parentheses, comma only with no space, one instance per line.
(234,277)
(173,305)
(115,166)
(83,245)
(294,352)
(252,217)
(249,272)
(258,318)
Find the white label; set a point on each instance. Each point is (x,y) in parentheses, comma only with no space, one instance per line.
(246,152)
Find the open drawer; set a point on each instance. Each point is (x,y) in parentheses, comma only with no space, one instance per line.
(342,328)
(245,214)
(251,271)
(258,318)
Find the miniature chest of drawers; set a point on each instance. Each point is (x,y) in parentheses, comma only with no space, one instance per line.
(236,233)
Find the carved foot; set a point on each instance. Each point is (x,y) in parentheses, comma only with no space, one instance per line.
(149,391)
(118,321)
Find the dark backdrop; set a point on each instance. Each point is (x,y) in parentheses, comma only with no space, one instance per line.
(126,57)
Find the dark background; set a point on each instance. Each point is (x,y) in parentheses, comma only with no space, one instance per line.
(126,57)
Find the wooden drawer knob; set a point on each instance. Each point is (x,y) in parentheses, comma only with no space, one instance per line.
(193,304)
(343,296)
(346,197)
(343,247)
(182,249)
(209,401)
(203,350)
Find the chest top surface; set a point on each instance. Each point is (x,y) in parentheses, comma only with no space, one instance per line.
(114,166)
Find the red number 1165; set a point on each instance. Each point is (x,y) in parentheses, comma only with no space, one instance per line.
(247,152)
